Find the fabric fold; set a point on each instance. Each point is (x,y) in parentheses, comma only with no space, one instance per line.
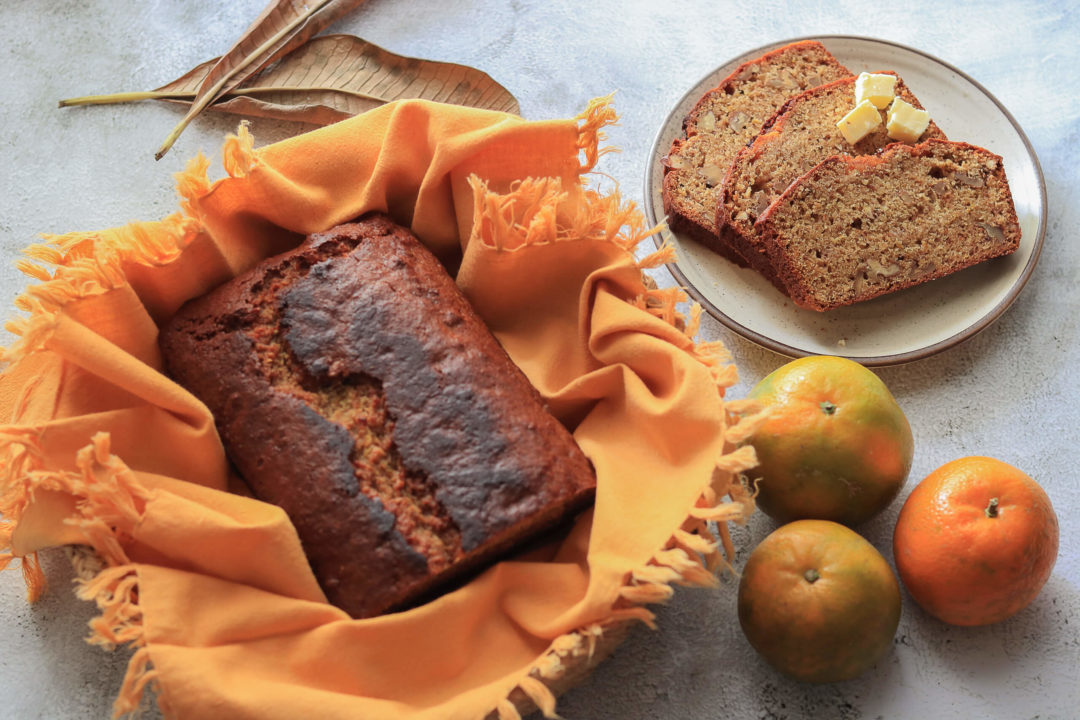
(210,589)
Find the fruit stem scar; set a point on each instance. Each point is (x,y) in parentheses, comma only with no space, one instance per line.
(827,407)
(992,508)
(811,575)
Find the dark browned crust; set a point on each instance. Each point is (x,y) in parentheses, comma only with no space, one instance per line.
(367,304)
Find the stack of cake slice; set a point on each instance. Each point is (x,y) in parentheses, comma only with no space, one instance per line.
(827,221)
(801,135)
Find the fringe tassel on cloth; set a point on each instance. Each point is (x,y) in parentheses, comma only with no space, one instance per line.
(91,263)
(87,264)
(529,215)
(111,499)
(110,503)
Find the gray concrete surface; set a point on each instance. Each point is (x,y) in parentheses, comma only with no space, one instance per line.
(1011,392)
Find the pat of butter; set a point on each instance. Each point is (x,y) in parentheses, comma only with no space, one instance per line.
(878,88)
(858,123)
(905,121)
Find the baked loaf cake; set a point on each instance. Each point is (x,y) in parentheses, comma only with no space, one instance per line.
(354,386)
(800,135)
(724,120)
(854,228)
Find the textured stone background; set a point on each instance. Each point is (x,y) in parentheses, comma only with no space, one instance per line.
(1011,392)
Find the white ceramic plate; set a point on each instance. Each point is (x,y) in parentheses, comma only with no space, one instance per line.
(905,325)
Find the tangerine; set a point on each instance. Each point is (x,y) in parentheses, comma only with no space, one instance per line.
(975,541)
(835,444)
(818,602)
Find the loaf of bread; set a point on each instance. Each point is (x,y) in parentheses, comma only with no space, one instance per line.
(802,134)
(854,228)
(724,120)
(354,386)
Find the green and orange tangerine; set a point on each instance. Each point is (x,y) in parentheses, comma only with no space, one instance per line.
(835,445)
(818,601)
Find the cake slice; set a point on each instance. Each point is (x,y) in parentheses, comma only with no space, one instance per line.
(854,228)
(802,134)
(724,120)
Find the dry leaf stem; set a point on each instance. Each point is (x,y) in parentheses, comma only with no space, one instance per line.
(205,98)
(188,96)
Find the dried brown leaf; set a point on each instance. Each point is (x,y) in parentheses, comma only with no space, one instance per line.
(283,26)
(334,77)
(338,76)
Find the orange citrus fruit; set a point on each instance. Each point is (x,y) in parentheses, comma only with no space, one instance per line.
(975,541)
(818,602)
(836,446)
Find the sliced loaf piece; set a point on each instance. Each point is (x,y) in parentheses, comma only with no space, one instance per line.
(802,134)
(724,120)
(854,228)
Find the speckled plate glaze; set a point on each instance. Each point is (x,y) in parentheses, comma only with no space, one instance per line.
(906,325)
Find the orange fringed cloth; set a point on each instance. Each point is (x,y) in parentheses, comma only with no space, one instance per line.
(211,589)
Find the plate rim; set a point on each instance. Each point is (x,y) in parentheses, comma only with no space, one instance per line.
(787,350)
